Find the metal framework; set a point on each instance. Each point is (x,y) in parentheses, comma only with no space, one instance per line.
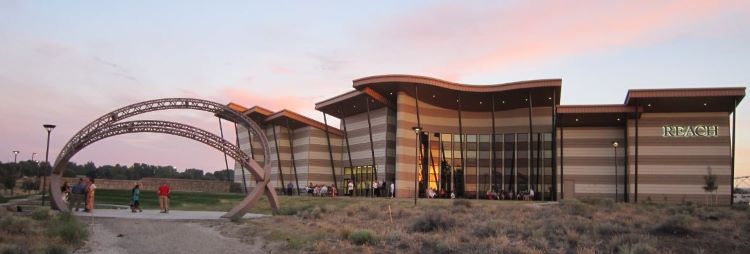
(108,125)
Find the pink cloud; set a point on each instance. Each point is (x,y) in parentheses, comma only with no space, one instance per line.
(490,38)
(270,99)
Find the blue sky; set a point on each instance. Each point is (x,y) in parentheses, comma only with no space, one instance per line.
(68,62)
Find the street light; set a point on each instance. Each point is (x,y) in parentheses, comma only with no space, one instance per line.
(49,128)
(32,156)
(615,144)
(417,131)
(15,156)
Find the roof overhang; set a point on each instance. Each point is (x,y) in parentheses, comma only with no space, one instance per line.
(293,120)
(352,103)
(594,115)
(449,95)
(721,99)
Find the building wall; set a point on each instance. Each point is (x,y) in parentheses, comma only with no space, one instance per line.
(589,162)
(672,170)
(436,119)
(310,156)
(383,135)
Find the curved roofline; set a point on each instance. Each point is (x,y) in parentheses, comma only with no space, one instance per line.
(403,78)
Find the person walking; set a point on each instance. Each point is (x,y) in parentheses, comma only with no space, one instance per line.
(164,191)
(90,194)
(135,197)
(350,188)
(78,195)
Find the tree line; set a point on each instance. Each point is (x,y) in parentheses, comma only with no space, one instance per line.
(10,172)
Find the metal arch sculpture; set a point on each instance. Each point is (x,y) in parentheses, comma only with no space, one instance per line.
(107,126)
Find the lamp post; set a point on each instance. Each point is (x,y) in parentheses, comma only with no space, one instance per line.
(15,156)
(615,144)
(417,131)
(49,128)
(32,156)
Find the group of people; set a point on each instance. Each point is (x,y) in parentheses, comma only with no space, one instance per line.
(375,189)
(164,193)
(83,192)
(320,190)
(509,195)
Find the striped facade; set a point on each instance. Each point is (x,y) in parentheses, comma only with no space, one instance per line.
(311,156)
(672,170)
(592,167)
(571,152)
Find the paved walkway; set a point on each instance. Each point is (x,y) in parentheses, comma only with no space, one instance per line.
(156,215)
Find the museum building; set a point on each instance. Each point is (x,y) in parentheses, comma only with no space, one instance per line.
(472,140)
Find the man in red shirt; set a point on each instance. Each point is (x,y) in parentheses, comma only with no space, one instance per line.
(164,197)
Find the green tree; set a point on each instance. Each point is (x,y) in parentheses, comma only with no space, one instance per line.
(710,185)
(9,178)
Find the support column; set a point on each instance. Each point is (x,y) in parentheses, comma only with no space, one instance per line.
(330,153)
(291,151)
(554,145)
(349,153)
(419,143)
(734,135)
(372,147)
(562,162)
(278,158)
(242,168)
(462,145)
(627,158)
(637,116)
(226,162)
(492,147)
(530,146)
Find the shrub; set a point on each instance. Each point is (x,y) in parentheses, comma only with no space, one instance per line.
(431,221)
(632,243)
(362,237)
(462,202)
(56,249)
(575,207)
(3,199)
(11,249)
(435,246)
(484,231)
(41,214)
(16,225)
(314,213)
(675,225)
(68,228)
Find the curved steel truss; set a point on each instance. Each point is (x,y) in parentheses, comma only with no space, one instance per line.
(108,125)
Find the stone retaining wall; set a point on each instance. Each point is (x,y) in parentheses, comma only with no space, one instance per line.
(153,184)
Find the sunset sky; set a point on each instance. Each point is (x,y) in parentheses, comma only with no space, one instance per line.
(69,62)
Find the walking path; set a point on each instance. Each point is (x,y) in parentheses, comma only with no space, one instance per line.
(156,215)
(122,231)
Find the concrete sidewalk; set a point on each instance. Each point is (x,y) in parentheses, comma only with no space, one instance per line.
(156,215)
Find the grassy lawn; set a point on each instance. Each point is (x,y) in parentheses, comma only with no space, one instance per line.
(191,201)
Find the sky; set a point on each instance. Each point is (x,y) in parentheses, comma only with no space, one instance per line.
(69,62)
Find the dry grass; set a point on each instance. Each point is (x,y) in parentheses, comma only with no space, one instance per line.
(362,225)
(41,231)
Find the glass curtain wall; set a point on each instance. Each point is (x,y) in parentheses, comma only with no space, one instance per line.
(522,163)
(360,174)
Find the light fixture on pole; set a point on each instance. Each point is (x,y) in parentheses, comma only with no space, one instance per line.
(32,156)
(615,144)
(417,131)
(49,128)
(15,156)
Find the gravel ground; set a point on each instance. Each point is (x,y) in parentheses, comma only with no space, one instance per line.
(117,235)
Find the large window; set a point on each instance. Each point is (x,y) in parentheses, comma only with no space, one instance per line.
(361,176)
